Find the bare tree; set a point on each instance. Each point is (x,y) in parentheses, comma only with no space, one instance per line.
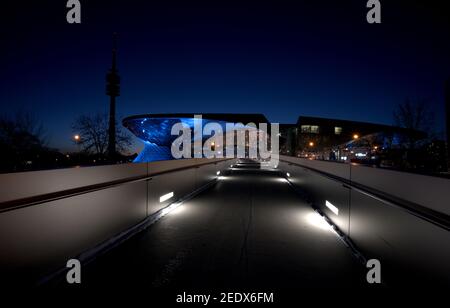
(22,140)
(22,128)
(93,132)
(416,117)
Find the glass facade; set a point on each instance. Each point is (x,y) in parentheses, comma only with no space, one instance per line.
(156,133)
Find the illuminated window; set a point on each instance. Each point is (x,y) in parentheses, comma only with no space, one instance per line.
(313,129)
(337,130)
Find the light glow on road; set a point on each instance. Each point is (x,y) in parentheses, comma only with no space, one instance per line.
(282,180)
(332,208)
(318,221)
(165,197)
(177,209)
(169,209)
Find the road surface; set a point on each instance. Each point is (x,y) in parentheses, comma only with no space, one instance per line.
(249,230)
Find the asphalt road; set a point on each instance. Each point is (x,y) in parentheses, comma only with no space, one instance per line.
(249,230)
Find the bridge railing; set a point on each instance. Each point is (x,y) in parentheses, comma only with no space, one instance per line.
(48,217)
(402,219)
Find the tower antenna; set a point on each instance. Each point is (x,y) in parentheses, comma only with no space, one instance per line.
(112,90)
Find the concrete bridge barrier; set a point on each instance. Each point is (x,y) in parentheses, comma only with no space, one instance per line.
(400,218)
(48,217)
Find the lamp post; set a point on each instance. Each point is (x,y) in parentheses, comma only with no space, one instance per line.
(77,140)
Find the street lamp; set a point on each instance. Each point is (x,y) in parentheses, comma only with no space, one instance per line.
(355,136)
(311,144)
(77,139)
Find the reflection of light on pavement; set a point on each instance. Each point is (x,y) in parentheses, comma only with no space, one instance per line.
(169,209)
(282,180)
(316,220)
(177,210)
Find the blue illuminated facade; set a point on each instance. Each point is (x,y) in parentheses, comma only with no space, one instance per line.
(155,132)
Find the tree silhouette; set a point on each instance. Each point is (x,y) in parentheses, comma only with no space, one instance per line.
(93,132)
(22,141)
(414,116)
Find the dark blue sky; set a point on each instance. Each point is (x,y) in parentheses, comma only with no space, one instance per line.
(284,59)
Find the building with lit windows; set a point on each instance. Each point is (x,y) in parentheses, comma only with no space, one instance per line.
(310,137)
(314,136)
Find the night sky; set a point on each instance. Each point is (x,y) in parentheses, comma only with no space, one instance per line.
(285,59)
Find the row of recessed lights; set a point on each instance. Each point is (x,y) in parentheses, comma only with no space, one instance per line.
(173,206)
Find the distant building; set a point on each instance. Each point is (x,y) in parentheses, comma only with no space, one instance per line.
(319,135)
(155,130)
(311,137)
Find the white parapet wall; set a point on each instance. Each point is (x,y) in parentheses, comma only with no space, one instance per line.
(405,241)
(428,191)
(40,238)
